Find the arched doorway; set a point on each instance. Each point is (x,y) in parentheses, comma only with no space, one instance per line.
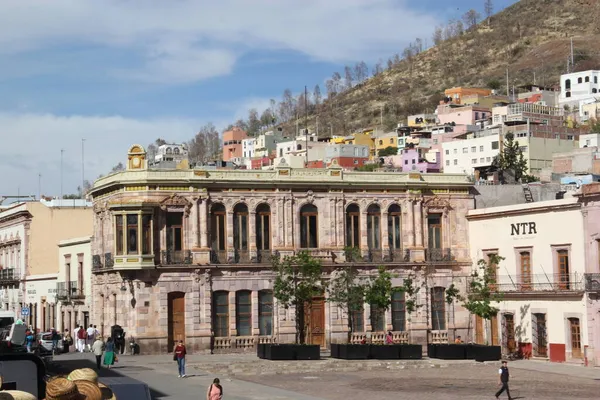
(176,312)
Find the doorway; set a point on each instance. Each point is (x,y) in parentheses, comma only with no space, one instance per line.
(176,312)
(315,321)
(539,335)
(479,328)
(508,333)
(575,338)
(494,328)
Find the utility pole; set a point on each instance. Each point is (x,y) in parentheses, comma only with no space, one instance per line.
(82,168)
(572,56)
(507,84)
(61,173)
(381,117)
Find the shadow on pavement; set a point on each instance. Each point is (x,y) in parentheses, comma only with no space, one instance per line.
(64,367)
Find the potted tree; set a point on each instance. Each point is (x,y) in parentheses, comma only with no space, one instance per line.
(379,295)
(346,290)
(481,294)
(298,279)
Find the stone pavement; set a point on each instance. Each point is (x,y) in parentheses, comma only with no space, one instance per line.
(332,380)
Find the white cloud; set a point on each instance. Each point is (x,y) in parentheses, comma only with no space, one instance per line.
(183,41)
(31,145)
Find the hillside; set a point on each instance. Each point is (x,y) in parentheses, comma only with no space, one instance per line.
(530,37)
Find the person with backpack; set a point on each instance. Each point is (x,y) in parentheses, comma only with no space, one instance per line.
(81,335)
(215,391)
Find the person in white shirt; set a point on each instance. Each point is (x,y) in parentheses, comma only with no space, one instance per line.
(76,338)
(91,337)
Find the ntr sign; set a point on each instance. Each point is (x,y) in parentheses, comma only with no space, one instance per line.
(523,228)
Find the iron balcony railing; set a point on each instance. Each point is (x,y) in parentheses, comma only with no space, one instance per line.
(399,255)
(69,290)
(592,282)
(539,283)
(8,276)
(241,256)
(109,262)
(97,261)
(438,255)
(176,257)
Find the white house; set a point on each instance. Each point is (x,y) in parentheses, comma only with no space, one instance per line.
(248,147)
(171,152)
(465,156)
(543,308)
(579,86)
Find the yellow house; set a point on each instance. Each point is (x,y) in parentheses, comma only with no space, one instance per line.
(363,139)
(421,120)
(385,141)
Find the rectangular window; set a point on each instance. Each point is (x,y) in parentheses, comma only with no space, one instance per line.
(377,319)
(488,159)
(438,309)
(447,152)
(174,231)
(146,234)
(132,234)
(447,163)
(465,150)
(434,228)
(495,145)
(398,312)
(473,149)
(358,320)
(119,235)
(473,161)
(570,137)
(221,314)
(243,313)
(265,313)
(455,151)
(482,160)
(563,269)
(480,148)
(455,162)
(525,260)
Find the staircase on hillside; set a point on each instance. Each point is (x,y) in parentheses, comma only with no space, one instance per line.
(528,194)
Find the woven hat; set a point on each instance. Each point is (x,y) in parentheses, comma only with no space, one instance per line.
(16,395)
(107,393)
(61,389)
(88,390)
(83,374)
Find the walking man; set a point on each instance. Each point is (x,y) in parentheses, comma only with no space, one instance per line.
(81,333)
(91,336)
(503,376)
(98,349)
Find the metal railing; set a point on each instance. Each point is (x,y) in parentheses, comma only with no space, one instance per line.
(539,283)
(398,255)
(97,261)
(109,262)
(8,275)
(438,255)
(241,256)
(218,256)
(175,257)
(592,282)
(68,290)
(266,256)
(375,255)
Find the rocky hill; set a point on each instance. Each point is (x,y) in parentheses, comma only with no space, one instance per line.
(531,39)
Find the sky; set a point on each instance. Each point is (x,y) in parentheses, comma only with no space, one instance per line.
(93,77)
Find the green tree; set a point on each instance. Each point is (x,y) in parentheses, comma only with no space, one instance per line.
(347,291)
(388,151)
(378,293)
(511,158)
(298,279)
(494,84)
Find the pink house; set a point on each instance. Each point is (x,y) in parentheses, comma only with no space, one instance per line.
(461,115)
(413,159)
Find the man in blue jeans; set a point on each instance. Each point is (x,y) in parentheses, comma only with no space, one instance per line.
(179,356)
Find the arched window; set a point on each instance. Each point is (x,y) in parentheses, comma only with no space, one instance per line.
(243,312)
(374,227)
(438,309)
(377,319)
(263,227)
(240,227)
(352,226)
(221,313)
(579,80)
(568,94)
(217,227)
(594,90)
(176,150)
(587,79)
(394,227)
(568,84)
(398,312)
(309,227)
(265,312)
(169,150)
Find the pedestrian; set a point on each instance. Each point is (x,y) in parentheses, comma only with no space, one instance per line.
(81,333)
(90,337)
(29,340)
(109,353)
(67,341)
(389,338)
(55,339)
(98,349)
(179,353)
(503,376)
(215,391)
(458,340)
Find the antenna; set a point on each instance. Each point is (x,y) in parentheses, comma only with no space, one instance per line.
(572,56)
(507,85)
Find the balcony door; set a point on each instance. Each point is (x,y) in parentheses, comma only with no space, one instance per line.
(563,269)
(575,329)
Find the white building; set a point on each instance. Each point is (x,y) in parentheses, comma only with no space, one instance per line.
(589,140)
(543,310)
(578,86)
(465,156)
(248,147)
(171,152)
(294,151)
(74,283)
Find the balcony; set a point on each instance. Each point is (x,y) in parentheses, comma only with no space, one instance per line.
(375,255)
(544,283)
(8,276)
(266,256)
(67,291)
(175,257)
(218,257)
(398,255)
(241,256)
(592,282)
(97,262)
(438,255)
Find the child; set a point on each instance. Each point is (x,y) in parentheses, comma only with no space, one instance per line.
(215,391)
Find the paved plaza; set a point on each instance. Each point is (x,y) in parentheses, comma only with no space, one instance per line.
(424,380)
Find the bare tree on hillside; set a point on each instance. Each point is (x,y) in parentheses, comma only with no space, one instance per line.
(418,45)
(348,77)
(488,7)
(287,106)
(438,35)
(361,72)
(206,144)
(254,123)
(330,88)
(267,118)
(377,68)
(471,18)
(317,95)
(337,82)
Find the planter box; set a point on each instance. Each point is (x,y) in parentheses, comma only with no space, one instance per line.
(384,351)
(488,353)
(351,351)
(431,350)
(450,351)
(288,352)
(411,351)
(335,350)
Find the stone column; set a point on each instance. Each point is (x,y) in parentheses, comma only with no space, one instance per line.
(252,236)
(289,224)
(411,223)
(340,222)
(277,231)
(418,224)
(364,247)
(194,215)
(229,234)
(203,222)
(232,316)
(255,326)
(385,244)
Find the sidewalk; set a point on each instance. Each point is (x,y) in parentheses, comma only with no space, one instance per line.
(578,371)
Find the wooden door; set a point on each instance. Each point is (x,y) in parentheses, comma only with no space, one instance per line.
(479,326)
(575,338)
(540,335)
(494,328)
(176,318)
(509,332)
(315,321)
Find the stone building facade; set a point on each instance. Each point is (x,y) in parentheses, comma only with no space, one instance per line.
(185,254)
